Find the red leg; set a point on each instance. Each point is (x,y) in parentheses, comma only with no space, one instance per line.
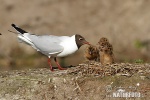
(49,62)
(59,67)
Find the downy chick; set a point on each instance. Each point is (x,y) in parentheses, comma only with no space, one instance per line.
(105,52)
(91,53)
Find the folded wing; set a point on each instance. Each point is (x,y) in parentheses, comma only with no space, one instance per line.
(47,44)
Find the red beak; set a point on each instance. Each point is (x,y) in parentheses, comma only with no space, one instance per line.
(85,42)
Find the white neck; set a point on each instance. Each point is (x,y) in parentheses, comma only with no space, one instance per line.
(69,45)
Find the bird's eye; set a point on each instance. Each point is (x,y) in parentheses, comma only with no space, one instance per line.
(80,38)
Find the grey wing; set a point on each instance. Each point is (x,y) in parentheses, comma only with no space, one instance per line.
(46,44)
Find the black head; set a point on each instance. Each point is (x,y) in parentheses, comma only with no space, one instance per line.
(80,40)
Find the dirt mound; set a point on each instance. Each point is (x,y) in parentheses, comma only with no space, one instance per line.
(89,81)
(122,69)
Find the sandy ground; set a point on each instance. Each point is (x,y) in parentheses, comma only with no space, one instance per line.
(87,81)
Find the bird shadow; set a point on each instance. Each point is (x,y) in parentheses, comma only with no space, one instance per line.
(70,66)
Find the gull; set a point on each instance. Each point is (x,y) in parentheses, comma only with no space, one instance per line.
(51,45)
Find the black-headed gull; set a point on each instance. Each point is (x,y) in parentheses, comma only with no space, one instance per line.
(50,45)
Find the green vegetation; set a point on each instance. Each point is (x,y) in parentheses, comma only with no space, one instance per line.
(140,61)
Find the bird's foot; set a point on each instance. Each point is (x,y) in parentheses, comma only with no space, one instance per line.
(52,69)
(61,68)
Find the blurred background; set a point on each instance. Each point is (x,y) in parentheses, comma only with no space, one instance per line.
(125,23)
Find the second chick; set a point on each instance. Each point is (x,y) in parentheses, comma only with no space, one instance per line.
(105,52)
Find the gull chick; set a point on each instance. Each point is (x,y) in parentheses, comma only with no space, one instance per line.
(106,52)
(91,53)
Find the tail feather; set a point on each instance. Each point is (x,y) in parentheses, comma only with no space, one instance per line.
(18,29)
(23,37)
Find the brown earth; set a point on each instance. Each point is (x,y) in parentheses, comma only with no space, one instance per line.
(86,81)
(124,23)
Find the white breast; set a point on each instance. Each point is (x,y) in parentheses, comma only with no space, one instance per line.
(69,45)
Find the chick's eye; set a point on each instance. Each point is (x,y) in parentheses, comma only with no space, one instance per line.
(80,38)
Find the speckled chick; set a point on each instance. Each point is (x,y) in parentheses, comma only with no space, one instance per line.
(105,52)
(91,53)
(103,40)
